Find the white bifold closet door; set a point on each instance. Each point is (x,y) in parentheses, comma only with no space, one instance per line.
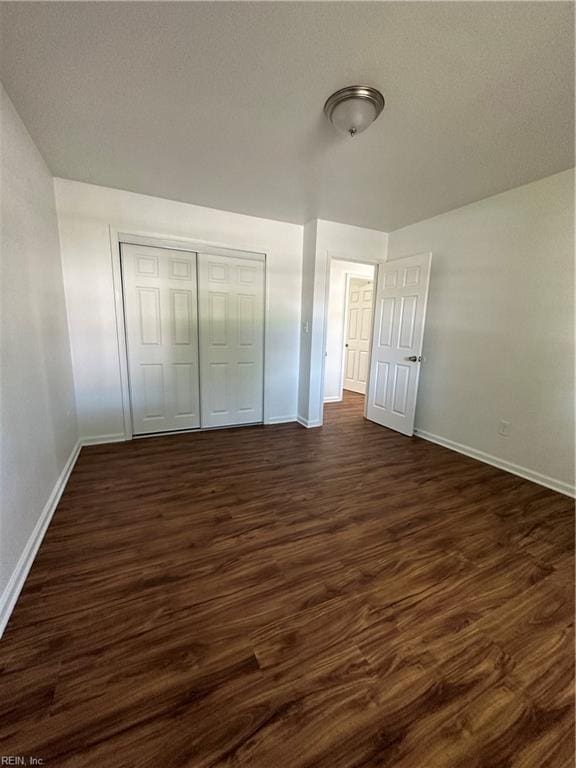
(161,318)
(231,321)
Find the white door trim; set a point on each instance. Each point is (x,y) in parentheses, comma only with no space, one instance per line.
(162,240)
(180,244)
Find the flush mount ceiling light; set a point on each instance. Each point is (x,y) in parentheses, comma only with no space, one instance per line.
(353,109)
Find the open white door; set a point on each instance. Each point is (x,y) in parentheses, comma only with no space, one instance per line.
(400,311)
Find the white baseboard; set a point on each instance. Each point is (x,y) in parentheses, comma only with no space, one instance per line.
(308,424)
(333,399)
(494,461)
(118,437)
(14,587)
(280,419)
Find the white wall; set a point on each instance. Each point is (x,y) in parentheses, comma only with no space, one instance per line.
(499,340)
(325,240)
(339,270)
(86,213)
(38,429)
(308,269)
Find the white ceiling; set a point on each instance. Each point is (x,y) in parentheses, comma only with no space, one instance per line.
(220,104)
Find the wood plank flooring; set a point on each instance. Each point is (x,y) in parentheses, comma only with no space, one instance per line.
(277,597)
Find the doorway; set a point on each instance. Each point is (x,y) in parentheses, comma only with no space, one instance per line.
(400,294)
(348,333)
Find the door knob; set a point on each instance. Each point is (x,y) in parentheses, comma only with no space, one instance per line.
(414,358)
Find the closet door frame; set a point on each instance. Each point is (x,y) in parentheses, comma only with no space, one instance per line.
(119,237)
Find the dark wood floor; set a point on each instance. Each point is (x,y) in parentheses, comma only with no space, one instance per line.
(277,597)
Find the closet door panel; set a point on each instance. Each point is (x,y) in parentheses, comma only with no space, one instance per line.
(161,320)
(231,323)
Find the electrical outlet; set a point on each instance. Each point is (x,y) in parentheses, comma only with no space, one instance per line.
(504,428)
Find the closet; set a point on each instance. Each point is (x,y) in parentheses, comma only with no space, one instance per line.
(194,325)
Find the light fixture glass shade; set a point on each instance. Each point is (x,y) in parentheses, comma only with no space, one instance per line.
(353,109)
(353,115)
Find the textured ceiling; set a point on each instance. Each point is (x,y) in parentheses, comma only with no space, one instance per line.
(220,104)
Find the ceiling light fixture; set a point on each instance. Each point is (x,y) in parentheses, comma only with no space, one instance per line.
(353,109)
